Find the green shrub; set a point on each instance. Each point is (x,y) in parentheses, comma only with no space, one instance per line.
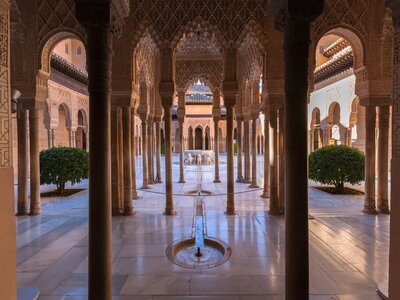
(62,164)
(337,165)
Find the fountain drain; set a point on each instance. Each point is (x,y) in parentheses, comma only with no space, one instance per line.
(200,251)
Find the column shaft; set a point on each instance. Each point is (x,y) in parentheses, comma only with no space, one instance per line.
(273,176)
(99,58)
(254,154)
(150,151)
(181,149)
(216,150)
(133,155)
(169,204)
(230,207)
(158,151)
(22,163)
(120,141)
(370,125)
(246,152)
(296,53)
(126,123)
(266,192)
(239,152)
(34,161)
(383,159)
(115,192)
(281,161)
(144,155)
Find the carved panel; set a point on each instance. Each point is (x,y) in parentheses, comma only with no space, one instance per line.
(167,16)
(5,113)
(396,95)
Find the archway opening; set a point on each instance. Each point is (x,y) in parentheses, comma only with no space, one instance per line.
(198,140)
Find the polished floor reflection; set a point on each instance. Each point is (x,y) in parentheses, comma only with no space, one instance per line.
(348,250)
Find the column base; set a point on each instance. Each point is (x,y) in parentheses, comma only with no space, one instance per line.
(265,194)
(247,180)
(35,212)
(230,212)
(274,212)
(116,212)
(129,212)
(371,210)
(158,179)
(254,186)
(135,195)
(384,210)
(145,187)
(240,179)
(169,212)
(21,212)
(181,181)
(216,180)
(383,290)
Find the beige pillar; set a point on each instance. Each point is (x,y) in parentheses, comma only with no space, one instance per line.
(133,155)
(239,151)
(169,205)
(120,141)
(216,150)
(246,152)
(115,162)
(144,153)
(266,192)
(230,208)
(370,126)
(149,150)
(158,151)
(22,162)
(181,149)
(281,161)
(273,173)
(126,124)
(383,159)
(254,153)
(35,208)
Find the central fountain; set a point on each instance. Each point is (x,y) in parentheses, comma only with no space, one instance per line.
(200,251)
(199,157)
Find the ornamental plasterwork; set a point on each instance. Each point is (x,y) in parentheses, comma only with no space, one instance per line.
(5,113)
(145,56)
(168,16)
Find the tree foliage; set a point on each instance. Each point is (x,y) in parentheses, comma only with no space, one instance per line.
(63,164)
(337,165)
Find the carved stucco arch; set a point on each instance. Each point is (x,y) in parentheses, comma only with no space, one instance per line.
(68,116)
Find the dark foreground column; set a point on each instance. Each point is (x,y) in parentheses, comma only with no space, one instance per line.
(126,124)
(34,161)
(296,52)
(22,162)
(169,203)
(230,207)
(383,159)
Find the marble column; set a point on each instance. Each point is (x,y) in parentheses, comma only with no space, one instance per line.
(22,208)
(296,53)
(246,152)
(115,190)
(35,208)
(169,204)
(120,141)
(181,150)
(158,151)
(99,59)
(273,171)
(281,160)
(133,155)
(383,159)
(72,138)
(144,153)
(126,125)
(254,153)
(239,151)
(370,127)
(149,150)
(216,150)
(230,208)
(266,192)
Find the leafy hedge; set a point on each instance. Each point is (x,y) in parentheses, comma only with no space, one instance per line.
(337,165)
(62,164)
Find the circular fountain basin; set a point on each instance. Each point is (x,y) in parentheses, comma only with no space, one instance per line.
(184,253)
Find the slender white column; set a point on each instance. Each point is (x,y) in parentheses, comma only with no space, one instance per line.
(254,153)
(35,208)
(216,150)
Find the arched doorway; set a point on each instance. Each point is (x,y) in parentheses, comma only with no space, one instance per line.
(190,137)
(62,135)
(198,139)
(81,130)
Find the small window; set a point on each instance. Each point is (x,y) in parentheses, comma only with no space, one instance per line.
(79,51)
(66,48)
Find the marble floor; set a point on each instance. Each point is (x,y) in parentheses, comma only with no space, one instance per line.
(348,249)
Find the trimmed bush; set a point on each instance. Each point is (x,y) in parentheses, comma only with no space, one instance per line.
(337,165)
(62,164)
